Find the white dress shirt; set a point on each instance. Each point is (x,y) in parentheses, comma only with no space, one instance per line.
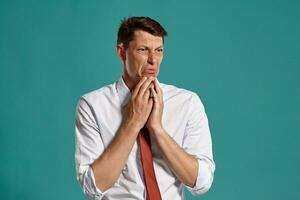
(98,118)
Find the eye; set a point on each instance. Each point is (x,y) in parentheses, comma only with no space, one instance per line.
(141,49)
(160,50)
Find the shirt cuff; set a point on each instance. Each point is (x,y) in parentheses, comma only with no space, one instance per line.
(204,179)
(89,186)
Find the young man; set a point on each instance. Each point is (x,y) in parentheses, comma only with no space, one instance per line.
(138,138)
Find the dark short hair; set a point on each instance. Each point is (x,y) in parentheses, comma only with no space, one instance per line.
(131,24)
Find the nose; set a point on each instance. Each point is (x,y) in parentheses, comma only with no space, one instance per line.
(151,58)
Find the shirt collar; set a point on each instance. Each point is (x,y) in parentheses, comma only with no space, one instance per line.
(124,92)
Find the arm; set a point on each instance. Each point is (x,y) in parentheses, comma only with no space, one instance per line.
(115,156)
(192,163)
(92,159)
(183,165)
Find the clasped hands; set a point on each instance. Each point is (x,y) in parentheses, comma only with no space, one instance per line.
(145,106)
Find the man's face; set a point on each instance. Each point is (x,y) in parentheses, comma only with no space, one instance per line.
(142,57)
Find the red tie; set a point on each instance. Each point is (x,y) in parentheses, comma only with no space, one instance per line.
(147,163)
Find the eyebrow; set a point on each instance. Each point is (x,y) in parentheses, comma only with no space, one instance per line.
(161,46)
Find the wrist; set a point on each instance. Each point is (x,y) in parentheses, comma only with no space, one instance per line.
(157,131)
(132,125)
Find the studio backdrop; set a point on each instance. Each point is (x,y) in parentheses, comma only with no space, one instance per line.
(240,57)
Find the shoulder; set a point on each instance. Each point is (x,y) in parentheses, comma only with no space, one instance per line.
(172,91)
(181,97)
(104,93)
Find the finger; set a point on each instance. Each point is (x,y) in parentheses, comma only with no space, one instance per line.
(151,86)
(155,96)
(157,88)
(145,86)
(147,94)
(150,102)
(137,87)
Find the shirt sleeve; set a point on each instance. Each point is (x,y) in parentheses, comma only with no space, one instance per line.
(88,148)
(197,142)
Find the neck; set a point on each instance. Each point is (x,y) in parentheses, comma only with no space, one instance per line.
(129,83)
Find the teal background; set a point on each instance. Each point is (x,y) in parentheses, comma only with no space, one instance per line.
(241,57)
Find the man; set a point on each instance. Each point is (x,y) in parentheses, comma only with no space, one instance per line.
(114,122)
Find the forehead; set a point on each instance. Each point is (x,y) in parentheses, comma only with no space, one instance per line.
(144,38)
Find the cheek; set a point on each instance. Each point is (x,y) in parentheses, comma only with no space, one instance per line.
(159,61)
(131,62)
(140,62)
(135,65)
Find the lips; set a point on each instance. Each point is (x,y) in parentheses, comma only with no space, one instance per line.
(149,71)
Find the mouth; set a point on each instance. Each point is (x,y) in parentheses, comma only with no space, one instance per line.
(149,72)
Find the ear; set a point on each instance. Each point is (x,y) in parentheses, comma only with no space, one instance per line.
(121,52)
